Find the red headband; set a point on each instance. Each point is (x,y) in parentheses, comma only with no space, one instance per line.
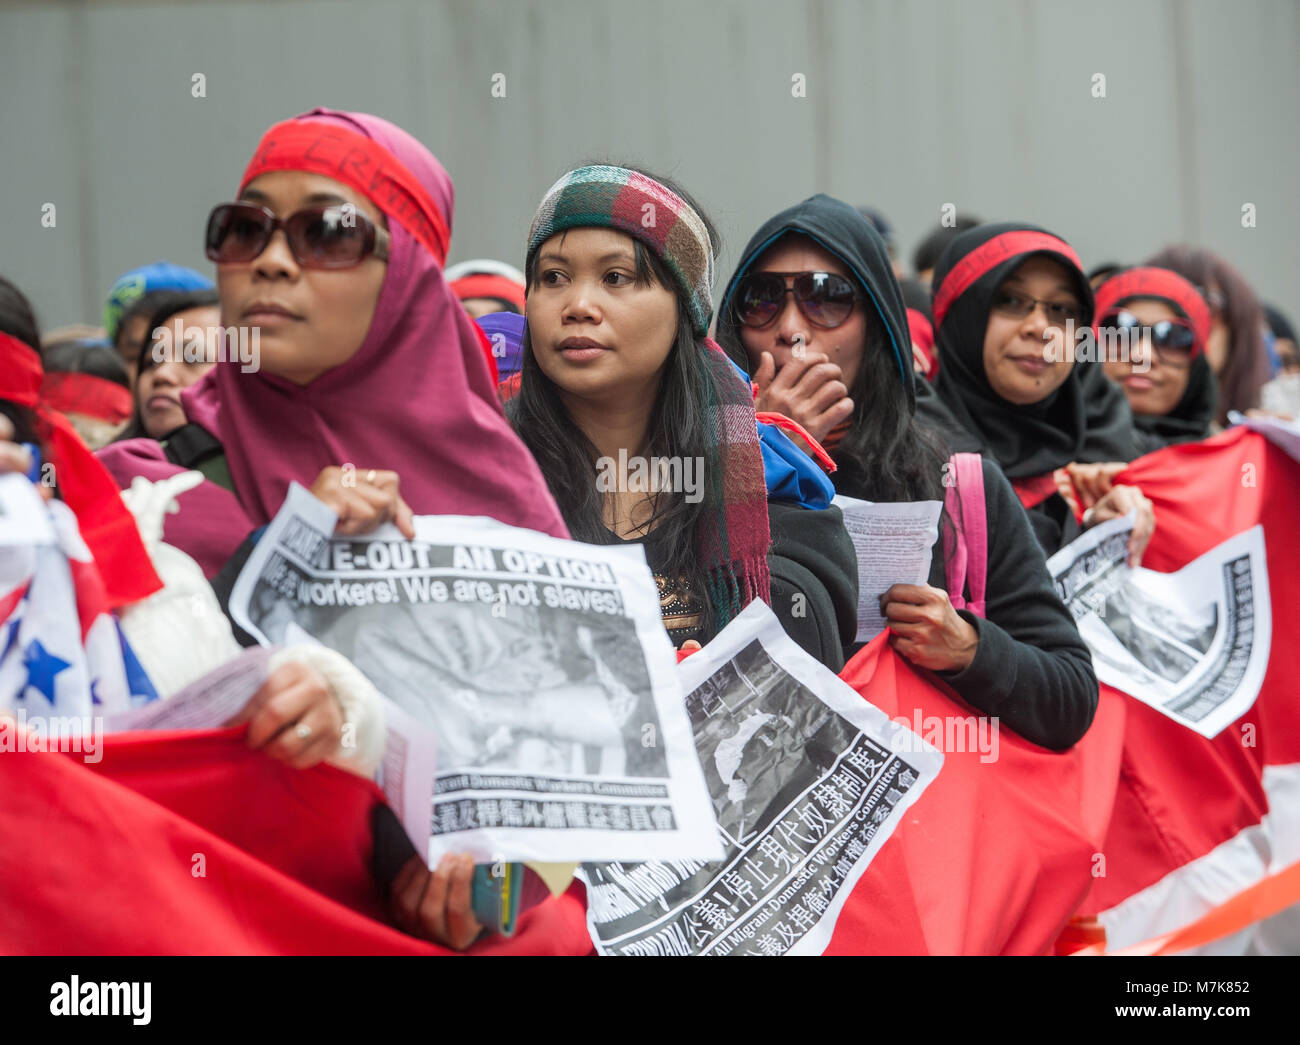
(22,373)
(78,393)
(358,161)
(1158,283)
(485,285)
(106,526)
(988,256)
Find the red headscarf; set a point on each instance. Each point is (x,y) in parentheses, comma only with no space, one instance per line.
(106,526)
(418,397)
(1151,282)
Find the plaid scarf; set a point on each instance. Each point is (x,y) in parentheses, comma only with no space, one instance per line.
(733,541)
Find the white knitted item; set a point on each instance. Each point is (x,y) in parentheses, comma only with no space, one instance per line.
(178,633)
(364,721)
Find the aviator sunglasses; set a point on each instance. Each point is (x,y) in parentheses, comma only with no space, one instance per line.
(325,237)
(1173,339)
(825,299)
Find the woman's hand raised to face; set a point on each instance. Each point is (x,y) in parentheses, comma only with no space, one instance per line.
(1119,502)
(808,390)
(437,905)
(926,629)
(364,499)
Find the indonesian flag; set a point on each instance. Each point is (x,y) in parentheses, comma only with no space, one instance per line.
(189,843)
(1198,821)
(999,851)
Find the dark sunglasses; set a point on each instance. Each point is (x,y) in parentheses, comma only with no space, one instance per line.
(824,298)
(1173,339)
(1018,306)
(326,237)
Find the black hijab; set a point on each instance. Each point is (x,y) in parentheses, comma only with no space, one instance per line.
(841,230)
(1189,421)
(1087,419)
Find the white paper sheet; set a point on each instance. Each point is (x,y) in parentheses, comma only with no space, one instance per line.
(893,542)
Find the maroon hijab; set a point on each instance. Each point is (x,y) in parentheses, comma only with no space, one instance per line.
(417,398)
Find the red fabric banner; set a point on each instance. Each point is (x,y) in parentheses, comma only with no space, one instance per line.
(1182,797)
(996,855)
(105,858)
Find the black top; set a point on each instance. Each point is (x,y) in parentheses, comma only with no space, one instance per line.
(1054,524)
(1031,669)
(679,604)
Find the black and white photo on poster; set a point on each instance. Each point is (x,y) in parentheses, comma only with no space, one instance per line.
(539,664)
(807,783)
(1193,644)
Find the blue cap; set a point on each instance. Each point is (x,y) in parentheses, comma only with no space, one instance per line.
(161,275)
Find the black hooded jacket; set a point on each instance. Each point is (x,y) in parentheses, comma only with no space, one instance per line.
(1031,668)
(859,246)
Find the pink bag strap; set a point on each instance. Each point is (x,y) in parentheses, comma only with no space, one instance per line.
(965,541)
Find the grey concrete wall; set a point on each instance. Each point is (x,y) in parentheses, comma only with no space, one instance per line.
(909,105)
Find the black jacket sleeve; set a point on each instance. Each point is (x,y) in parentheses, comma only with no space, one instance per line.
(814,579)
(1031,669)
(1053,523)
(223,585)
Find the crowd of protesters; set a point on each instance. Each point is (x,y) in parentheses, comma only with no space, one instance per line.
(393,385)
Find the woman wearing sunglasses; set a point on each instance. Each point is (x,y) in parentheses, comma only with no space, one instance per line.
(1235,349)
(332,255)
(617,365)
(1154,326)
(372,385)
(816,315)
(1009,301)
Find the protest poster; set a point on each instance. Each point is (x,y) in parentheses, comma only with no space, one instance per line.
(1192,644)
(807,781)
(540,665)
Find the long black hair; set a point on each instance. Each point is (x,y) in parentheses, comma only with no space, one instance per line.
(678,430)
(886,454)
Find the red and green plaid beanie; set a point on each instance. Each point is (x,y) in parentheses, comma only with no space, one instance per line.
(626,200)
